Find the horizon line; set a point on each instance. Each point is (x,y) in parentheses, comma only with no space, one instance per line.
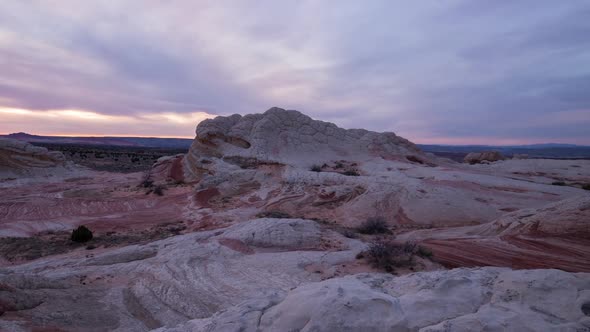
(191,138)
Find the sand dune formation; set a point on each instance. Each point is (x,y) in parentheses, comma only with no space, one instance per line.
(255,228)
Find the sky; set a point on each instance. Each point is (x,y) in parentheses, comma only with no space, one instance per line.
(440,72)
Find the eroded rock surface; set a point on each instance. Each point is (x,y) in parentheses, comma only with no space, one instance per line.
(165,283)
(284,161)
(553,236)
(485,299)
(223,281)
(255,229)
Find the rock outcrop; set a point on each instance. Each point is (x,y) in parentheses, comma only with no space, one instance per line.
(278,136)
(168,169)
(21,158)
(285,161)
(167,282)
(277,275)
(483,157)
(553,236)
(568,218)
(486,299)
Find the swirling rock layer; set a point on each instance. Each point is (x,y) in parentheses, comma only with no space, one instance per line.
(21,158)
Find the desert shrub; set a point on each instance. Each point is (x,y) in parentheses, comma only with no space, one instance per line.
(424,252)
(558,183)
(339,165)
(414,159)
(316,168)
(374,225)
(81,234)
(351,172)
(388,255)
(586,186)
(349,233)
(159,190)
(274,214)
(147,183)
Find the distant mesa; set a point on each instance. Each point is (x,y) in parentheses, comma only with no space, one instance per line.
(155,142)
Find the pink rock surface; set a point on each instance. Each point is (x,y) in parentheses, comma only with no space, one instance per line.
(553,236)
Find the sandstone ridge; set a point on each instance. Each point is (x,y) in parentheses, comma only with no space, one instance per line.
(18,157)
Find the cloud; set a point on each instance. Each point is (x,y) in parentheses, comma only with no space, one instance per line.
(449,71)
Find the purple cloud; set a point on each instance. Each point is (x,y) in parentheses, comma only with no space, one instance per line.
(452,71)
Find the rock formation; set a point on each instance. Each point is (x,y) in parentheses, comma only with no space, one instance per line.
(244,165)
(482,157)
(276,275)
(278,136)
(257,230)
(168,169)
(553,236)
(487,299)
(20,158)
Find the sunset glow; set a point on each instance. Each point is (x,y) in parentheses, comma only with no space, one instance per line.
(87,123)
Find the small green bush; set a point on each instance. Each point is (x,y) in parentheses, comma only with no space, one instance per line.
(351,172)
(586,186)
(81,234)
(424,252)
(374,225)
(558,183)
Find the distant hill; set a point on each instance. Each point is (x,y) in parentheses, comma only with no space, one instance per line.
(456,152)
(155,142)
(548,150)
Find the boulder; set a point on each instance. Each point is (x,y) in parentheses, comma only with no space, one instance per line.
(271,232)
(482,157)
(168,169)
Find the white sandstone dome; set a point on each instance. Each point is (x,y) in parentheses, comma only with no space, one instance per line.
(290,137)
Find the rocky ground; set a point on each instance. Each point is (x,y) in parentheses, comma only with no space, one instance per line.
(262,226)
